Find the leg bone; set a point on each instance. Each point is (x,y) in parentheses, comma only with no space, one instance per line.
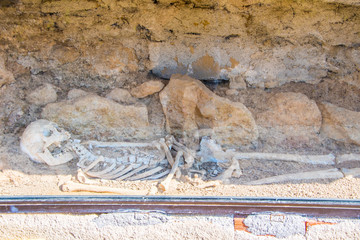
(322,174)
(164,185)
(78,187)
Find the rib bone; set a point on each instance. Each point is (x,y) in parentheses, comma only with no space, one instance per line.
(146,174)
(160,175)
(78,187)
(323,174)
(131,173)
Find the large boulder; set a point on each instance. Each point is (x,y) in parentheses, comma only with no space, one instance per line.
(289,116)
(95,117)
(340,124)
(190,106)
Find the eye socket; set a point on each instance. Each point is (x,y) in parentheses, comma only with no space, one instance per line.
(47,132)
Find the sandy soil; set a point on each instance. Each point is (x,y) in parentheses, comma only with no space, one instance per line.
(20,176)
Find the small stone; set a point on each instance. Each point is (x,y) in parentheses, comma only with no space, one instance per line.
(340,124)
(237,82)
(76,93)
(121,96)
(147,88)
(232,92)
(43,95)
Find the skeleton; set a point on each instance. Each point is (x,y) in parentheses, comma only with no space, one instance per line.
(45,142)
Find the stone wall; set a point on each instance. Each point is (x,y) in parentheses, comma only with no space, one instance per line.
(266,43)
(257,47)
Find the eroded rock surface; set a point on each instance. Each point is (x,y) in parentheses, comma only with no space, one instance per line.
(340,124)
(290,116)
(147,88)
(6,76)
(121,96)
(95,117)
(190,106)
(43,95)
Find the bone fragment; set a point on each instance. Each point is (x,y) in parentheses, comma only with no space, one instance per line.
(82,178)
(232,171)
(78,187)
(164,185)
(351,172)
(118,144)
(167,153)
(322,174)
(146,174)
(310,159)
(348,158)
(209,184)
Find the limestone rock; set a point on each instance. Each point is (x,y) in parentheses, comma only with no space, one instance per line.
(43,95)
(95,117)
(76,93)
(147,88)
(340,124)
(6,76)
(121,96)
(242,64)
(289,115)
(190,106)
(237,82)
(110,60)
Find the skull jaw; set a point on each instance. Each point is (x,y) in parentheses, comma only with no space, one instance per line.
(50,160)
(38,139)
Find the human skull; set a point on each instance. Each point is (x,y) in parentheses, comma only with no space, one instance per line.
(43,141)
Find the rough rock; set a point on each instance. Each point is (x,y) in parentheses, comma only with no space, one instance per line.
(6,76)
(76,93)
(190,106)
(95,117)
(232,60)
(147,88)
(340,124)
(121,96)
(266,43)
(237,82)
(110,59)
(43,95)
(289,115)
